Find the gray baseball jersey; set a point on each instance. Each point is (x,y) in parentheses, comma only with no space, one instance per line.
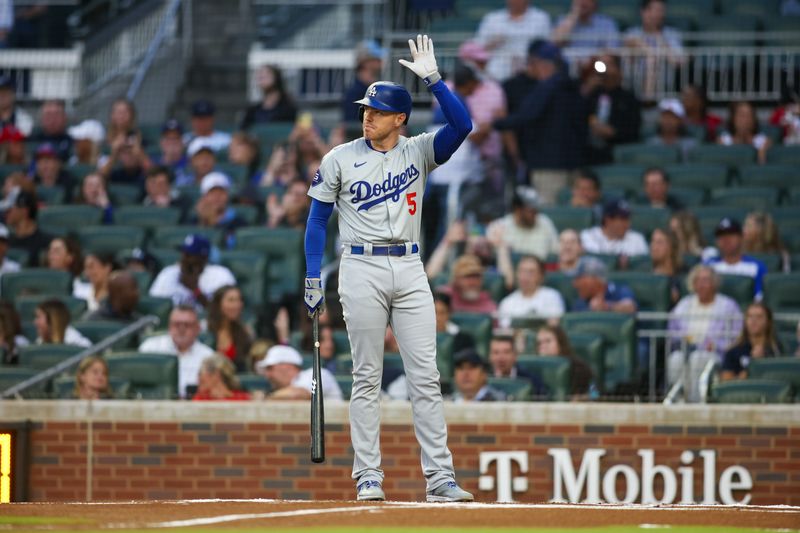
(379,196)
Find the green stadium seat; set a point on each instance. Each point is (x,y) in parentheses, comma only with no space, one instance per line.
(755,9)
(165,256)
(568,217)
(698,175)
(345,382)
(785,369)
(248,213)
(626,13)
(782,292)
(152,376)
(43,356)
(12,375)
(33,281)
(751,391)
(776,176)
(283,248)
(554,8)
(151,133)
(495,285)
(124,194)
(784,155)
(50,195)
(515,389)
(252,382)
(110,239)
(249,267)
(787,219)
(64,387)
(444,354)
(10,168)
(750,198)
(646,154)
(272,133)
(618,332)
(155,305)
(692,10)
(773,262)
(173,236)
(553,371)
(731,156)
(591,348)
(726,30)
(63,219)
(478,325)
(26,305)
(688,197)
(640,263)
(97,330)
(740,288)
(236,173)
(652,291)
(147,217)
(563,284)
(646,219)
(627,177)
(454,25)
(781,31)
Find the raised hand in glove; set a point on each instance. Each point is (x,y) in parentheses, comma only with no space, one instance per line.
(314,297)
(424,64)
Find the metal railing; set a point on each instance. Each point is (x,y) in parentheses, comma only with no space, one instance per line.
(167,27)
(67,364)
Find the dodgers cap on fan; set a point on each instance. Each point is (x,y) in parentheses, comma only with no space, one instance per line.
(196,244)
(728,225)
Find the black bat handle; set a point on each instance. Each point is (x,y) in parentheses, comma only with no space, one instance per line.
(317,410)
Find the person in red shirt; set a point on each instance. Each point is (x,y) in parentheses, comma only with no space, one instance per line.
(217,381)
(232,337)
(465,289)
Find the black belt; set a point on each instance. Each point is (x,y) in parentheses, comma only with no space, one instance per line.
(390,249)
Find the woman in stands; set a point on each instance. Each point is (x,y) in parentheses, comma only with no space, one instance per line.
(52,325)
(688,237)
(64,253)
(232,337)
(742,128)
(552,341)
(760,235)
(121,120)
(97,268)
(243,151)
(276,104)
(758,339)
(91,379)
(217,380)
(11,338)
(666,260)
(93,192)
(695,102)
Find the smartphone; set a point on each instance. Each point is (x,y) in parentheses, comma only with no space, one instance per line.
(305,120)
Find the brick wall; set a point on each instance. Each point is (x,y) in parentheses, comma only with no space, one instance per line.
(234,451)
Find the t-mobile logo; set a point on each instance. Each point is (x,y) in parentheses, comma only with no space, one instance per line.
(505,484)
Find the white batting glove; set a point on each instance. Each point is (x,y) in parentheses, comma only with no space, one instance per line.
(424,64)
(314,298)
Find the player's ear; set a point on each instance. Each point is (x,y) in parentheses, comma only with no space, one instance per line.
(400,119)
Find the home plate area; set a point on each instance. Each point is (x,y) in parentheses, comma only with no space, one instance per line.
(226,514)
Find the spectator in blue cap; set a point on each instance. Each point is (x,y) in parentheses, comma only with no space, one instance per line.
(596,293)
(614,236)
(550,124)
(172,151)
(203,112)
(730,258)
(192,281)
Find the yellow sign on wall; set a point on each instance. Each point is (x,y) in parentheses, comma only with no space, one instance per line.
(5,467)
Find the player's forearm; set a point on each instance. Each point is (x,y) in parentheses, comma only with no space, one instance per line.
(316,229)
(458,126)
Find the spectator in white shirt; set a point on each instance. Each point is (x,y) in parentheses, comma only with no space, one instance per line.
(6,264)
(203,127)
(282,367)
(51,320)
(506,33)
(614,236)
(531,298)
(525,230)
(181,340)
(192,281)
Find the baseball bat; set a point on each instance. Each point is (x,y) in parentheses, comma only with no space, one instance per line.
(317,411)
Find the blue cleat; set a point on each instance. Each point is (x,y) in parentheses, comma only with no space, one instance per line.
(449,492)
(370,491)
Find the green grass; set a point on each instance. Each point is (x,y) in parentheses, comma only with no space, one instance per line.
(40,521)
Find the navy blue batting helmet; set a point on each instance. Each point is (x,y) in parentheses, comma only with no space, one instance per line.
(386,96)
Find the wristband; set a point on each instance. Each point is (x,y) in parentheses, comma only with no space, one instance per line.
(432,78)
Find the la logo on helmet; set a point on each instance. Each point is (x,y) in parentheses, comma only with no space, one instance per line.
(372,91)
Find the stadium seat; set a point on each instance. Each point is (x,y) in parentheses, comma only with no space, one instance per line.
(776,176)
(751,391)
(345,382)
(249,267)
(515,389)
(164,256)
(553,371)
(646,154)
(568,217)
(590,348)
(627,177)
(618,332)
(248,213)
(454,25)
(698,175)
(26,305)
(787,219)
(64,387)
(63,219)
(50,195)
(495,285)
(97,330)
(252,382)
(124,194)
(782,292)
(727,30)
(43,356)
(284,252)
(773,262)
(478,325)
(236,173)
(30,281)
(563,284)
(731,156)
(272,133)
(9,168)
(173,236)
(740,288)
(784,155)
(786,369)
(12,375)
(645,219)
(652,291)
(744,8)
(143,277)
(444,354)
(110,239)
(155,305)
(688,197)
(152,376)
(692,10)
(147,217)
(750,198)
(623,11)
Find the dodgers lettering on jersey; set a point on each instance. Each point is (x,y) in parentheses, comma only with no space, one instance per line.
(379,195)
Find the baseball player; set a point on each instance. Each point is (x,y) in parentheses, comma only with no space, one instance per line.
(377,183)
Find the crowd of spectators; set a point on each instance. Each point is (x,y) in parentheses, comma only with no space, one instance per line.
(540,138)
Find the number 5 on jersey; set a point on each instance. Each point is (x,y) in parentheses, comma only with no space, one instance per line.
(412,202)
